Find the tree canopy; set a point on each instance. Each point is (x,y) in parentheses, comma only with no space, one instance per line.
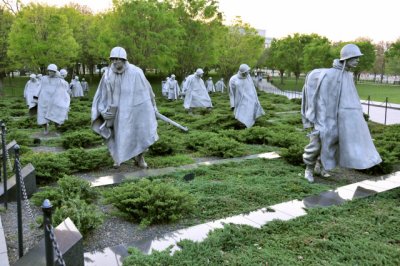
(175,36)
(39,36)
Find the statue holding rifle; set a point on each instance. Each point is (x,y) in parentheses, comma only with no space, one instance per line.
(124,110)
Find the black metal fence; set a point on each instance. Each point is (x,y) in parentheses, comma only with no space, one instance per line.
(51,245)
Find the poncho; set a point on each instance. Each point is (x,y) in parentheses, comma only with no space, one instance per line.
(332,106)
(135,126)
(243,96)
(196,94)
(53,100)
(31,89)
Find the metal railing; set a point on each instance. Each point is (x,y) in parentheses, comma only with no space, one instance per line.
(51,244)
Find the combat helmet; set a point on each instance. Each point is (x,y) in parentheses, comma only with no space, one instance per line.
(350,51)
(118,52)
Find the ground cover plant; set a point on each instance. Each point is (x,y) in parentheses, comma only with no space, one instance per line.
(73,198)
(211,134)
(360,232)
(236,187)
(218,191)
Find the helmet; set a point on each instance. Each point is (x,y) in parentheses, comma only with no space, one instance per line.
(39,75)
(83,78)
(52,67)
(76,77)
(199,71)
(118,52)
(32,76)
(63,72)
(349,51)
(172,76)
(243,68)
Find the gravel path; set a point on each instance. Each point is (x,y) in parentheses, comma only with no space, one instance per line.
(31,233)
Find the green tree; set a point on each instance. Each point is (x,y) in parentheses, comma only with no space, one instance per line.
(40,35)
(202,24)
(238,44)
(295,47)
(367,61)
(317,54)
(80,19)
(277,56)
(392,58)
(380,61)
(147,29)
(6,21)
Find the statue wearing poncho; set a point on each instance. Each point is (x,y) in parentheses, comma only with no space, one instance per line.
(133,128)
(243,97)
(332,108)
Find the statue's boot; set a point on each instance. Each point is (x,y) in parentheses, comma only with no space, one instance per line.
(140,161)
(308,174)
(319,170)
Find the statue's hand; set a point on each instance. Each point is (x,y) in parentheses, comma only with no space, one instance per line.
(108,115)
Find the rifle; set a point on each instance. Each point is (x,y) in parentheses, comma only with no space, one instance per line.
(169,121)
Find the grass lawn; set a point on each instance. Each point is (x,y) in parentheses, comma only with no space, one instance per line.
(377,92)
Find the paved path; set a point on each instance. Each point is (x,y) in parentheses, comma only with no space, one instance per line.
(119,177)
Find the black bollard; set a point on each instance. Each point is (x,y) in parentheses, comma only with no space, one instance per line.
(3,141)
(47,211)
(19,199)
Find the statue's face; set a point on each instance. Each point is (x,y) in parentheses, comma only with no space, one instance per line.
(199,75)
(244,74)
(52,74)
(353,62)
(118,63)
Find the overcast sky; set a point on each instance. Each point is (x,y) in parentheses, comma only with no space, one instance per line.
(337,20)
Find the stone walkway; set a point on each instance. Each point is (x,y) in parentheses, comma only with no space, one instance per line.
(119,177)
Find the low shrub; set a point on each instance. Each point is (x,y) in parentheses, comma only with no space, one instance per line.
(85,216)
(255,135)
(76,121)
(150,202)
(222,147)
(164,146)
(84,138)
(48,166)
(84,160)
(293,154)
(72,198)
(67,187)
(21,137)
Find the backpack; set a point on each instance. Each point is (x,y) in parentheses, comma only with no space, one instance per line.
(310,91)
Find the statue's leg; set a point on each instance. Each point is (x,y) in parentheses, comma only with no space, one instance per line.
(310,156)
(46,129)
(140,161)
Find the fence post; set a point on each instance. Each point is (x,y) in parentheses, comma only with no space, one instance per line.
(19,207)
(3,144)
(369,100)
(47,211)
(386,104)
